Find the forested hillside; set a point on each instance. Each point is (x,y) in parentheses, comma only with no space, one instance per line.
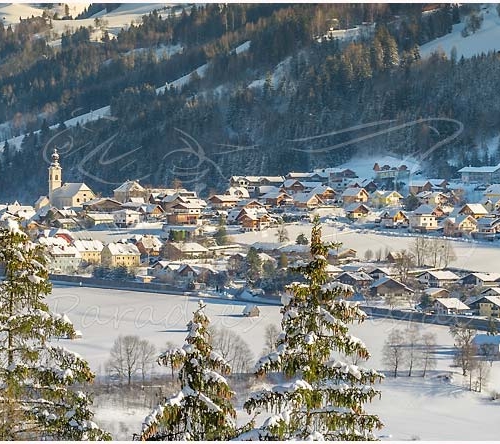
(261,110)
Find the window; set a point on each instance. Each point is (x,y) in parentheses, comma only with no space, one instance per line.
(57,177)
(77,200)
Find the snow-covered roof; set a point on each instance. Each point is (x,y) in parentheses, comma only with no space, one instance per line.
(485,339)
(433,290)
(129,185)
(452,303)
(352,192)
(88,245)
(481,169)
(476,208)
(70,189)
(118,248)
(190,247)
(442,275)
(424,209)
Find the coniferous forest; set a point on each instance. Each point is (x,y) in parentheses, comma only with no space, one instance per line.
(258,111)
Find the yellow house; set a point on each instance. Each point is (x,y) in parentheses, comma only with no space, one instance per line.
(460,225)
(90,250)
(381,199)
(118,254)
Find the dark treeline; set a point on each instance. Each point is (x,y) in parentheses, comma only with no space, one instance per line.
(203,134)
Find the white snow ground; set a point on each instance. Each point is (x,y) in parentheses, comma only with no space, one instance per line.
(411,408)
(484,40)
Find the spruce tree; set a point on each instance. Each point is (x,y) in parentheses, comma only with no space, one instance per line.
(321,397)
(202,409)
(39,399)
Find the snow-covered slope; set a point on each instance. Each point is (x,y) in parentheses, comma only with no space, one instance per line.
(485,40)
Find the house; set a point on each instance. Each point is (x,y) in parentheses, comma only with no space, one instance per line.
(293,186)
(381,199)
(354,195)
(338,178)
(394,218)
(395,172)
(68,194)
(95,219)
(126,218)
(488,345)
(90,250)
(447,306)
(117,254)
(432,198)
(127,190)
(491,291)
(388,287)
(483,174)
(436,292)
(458,226)
(307,200)
(251,183)
(381,272)
(325,193)
(251,311)
(223,201)
(184,250)
(481,280)
(492,192)
(475,210)
(276,198)
(422,219)
(342,255)
(255,221)
(487,228)
(417,186)
(356,211)
(368,184)
(101,205)
(356,279)
(185,212)
(240,192)
(488,306)
(63,259)
(149,245)
(189,274)
(165,271)
(437,278)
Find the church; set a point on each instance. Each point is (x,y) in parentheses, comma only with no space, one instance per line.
(68,194)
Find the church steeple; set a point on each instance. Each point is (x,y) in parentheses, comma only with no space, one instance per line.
(55,174)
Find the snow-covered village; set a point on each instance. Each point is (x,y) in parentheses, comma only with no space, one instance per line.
(246,222)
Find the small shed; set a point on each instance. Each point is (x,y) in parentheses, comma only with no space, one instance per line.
(251,311)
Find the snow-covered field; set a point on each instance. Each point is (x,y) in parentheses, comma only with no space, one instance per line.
(477,256)
(411,408)
(484,40)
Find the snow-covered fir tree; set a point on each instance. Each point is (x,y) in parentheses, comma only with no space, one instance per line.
(39,378)
(321,397)
(202,409)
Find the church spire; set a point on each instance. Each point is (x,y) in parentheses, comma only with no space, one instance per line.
(55,174)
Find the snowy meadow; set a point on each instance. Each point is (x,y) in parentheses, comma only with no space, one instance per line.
(437,407)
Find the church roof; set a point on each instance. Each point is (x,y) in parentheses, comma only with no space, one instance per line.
(70,189)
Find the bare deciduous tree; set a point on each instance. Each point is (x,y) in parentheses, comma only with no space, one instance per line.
(413,338)
(427,350)
(482,375)
(465,349)
(129,355)
(420,249)
(369,255)
(271,334)
(233,349)
(403,263)
(394,353)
